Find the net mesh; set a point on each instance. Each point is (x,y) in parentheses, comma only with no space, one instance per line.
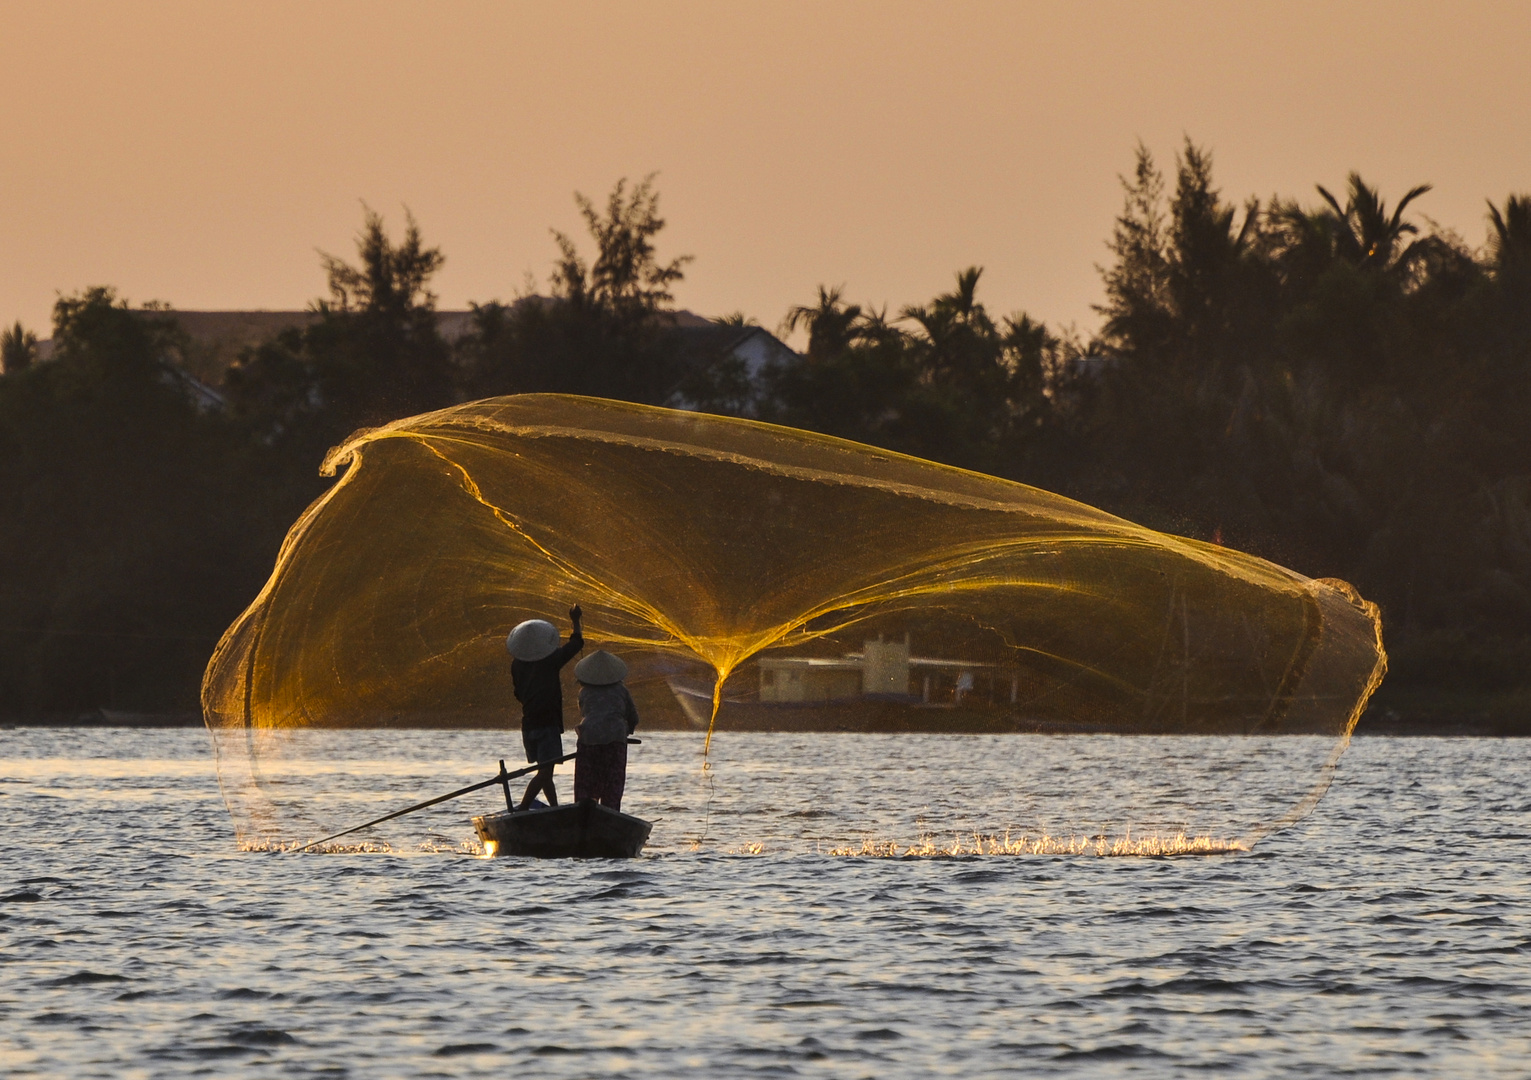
(754,577)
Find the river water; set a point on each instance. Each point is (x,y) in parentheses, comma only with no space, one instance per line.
(1386,934)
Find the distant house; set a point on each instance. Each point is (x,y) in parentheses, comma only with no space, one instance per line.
(882,669)
(203,397)
(799,679)
(752,346)
(717,353)
(203,394)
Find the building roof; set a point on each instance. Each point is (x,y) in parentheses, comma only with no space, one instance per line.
(817,663)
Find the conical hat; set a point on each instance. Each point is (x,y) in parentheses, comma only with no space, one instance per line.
(600,668)
(535,639)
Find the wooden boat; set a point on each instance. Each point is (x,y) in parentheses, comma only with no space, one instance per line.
(582,830)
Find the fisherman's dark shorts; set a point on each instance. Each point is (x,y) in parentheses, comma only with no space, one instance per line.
(600,773)
(543,744)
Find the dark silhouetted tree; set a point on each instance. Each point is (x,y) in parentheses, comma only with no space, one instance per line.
(604,329)
(18,348)
(626,282)
(1365,234)
(136,526)
(373,354)
(957,387)
(832,324)
(1137,307)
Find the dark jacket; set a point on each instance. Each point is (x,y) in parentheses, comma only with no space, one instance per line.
(538,688)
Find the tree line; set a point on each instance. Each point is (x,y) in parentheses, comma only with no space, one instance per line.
(1327,383)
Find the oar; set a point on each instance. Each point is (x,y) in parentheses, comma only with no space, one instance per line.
(503,778)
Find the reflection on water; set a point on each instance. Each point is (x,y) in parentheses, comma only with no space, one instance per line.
(1124,846)
(1388,934)
(793,791)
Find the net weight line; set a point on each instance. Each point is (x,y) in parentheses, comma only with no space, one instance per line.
(503,778)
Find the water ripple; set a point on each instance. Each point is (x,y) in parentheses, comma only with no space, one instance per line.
(1388,935)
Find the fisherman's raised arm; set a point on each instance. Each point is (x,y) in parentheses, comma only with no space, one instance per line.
(571,648)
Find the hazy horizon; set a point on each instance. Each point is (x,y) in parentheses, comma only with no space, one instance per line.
(199,155)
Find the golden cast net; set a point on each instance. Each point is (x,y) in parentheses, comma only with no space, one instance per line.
(763,578)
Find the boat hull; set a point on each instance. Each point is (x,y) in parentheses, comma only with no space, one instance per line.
(582,830)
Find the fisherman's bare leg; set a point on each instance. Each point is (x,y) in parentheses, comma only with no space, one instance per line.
(543,782)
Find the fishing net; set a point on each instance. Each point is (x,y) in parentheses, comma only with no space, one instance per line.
(762,578)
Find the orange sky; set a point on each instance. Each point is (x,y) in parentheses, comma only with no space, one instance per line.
(199,153)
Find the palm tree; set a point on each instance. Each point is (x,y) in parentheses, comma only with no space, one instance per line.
(873,328)
(961,353)
(1302,240)
(1510,246)
(963,300)
(1365,234)
(832,325)
(953,313)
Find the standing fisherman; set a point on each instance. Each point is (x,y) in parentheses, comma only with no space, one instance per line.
(534,671)
(608,717)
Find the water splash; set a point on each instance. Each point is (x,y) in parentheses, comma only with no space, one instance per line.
(1124,846)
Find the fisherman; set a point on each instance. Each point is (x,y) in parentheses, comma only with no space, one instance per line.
(607,717)
(534,672)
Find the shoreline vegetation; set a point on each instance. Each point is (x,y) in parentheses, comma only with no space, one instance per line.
(1334,384)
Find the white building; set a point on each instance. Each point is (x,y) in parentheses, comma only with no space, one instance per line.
(884,669)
